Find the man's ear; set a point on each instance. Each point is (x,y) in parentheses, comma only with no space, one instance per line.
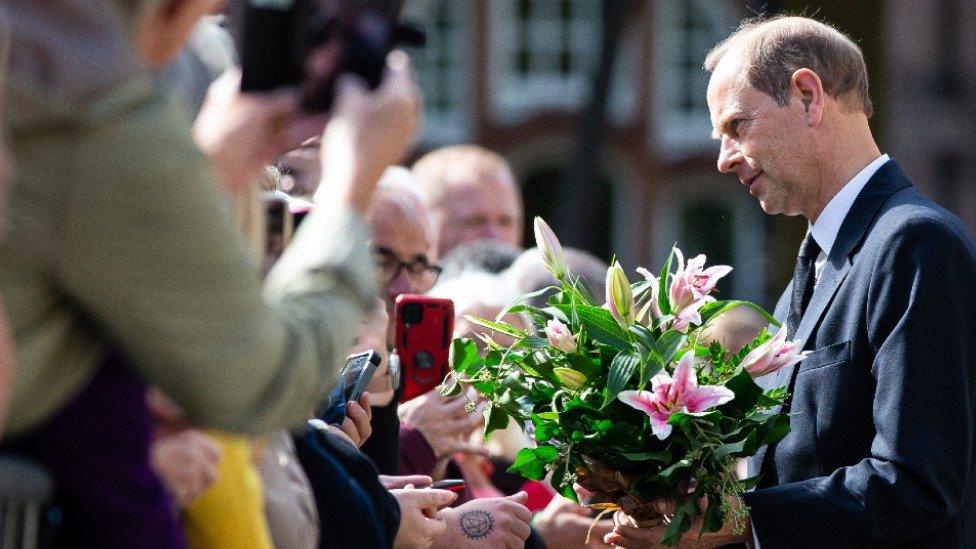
(805,86)
(167,26)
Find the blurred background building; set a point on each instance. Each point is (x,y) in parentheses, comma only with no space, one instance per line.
(600,107)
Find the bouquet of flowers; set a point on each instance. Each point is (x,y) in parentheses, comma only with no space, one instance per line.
(626,397)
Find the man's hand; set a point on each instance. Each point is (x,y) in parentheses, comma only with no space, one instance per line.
(626,533)
(356,424)
(419,523)
(243,132)
(444,421)
(488,522)
(564,524)
(187,463)
(368,132)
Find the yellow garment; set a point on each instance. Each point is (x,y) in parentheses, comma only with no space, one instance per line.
(231,513)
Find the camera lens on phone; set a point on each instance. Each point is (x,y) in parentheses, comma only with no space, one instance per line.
(413,313)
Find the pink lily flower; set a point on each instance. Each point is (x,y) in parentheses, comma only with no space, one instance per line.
(692,282)
(680,393)
(690,315)
(652,304)
(559,336)
(773,355)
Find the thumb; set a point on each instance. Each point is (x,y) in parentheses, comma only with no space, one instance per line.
(435,499)
(519,498)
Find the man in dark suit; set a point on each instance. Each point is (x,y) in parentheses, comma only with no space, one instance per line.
(883,411)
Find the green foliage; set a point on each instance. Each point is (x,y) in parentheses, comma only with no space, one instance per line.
(576,418)
(531,462)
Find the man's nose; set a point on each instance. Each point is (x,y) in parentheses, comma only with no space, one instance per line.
(491,231)
(729,156)
(399,285)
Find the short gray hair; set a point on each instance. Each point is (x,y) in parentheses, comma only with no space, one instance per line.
(774,48)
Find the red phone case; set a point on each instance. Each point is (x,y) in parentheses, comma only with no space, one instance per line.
(423,343)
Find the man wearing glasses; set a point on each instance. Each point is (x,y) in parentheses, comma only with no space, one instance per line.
(403,246)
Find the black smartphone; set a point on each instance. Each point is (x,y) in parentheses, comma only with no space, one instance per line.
(452,484)
(279,224)
(354,377)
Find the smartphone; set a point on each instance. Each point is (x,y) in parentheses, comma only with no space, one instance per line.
(424,328)
(354,377)
(279,224)
(452,484)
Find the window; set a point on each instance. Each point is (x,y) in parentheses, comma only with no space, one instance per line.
(684,32)
(444,68)
(542,54)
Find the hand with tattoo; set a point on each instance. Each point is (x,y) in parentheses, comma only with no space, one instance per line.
(487,522)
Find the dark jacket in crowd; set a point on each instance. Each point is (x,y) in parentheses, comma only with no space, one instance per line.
(354,509)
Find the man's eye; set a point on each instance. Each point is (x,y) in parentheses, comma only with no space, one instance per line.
(735,124)
(417,268)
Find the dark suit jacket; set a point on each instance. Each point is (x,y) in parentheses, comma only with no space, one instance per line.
(881,447)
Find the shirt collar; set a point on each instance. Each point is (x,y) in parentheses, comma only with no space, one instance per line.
(828,224)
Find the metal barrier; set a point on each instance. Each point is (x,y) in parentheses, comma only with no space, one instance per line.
(26,495)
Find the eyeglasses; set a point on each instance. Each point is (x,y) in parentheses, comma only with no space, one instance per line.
(422,274)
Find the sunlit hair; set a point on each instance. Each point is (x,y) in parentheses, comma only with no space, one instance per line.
(439,169)
(774,48)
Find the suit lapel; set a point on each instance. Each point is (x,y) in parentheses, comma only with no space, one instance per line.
(885,182)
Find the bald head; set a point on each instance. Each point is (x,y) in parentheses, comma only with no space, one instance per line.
(769,51)
(403,242)
(472,194)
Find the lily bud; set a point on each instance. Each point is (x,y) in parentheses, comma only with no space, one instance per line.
(559,336)
(570,378)
(620,298)
(550,248)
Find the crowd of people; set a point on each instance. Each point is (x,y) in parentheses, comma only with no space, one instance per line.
(166,343)
(172,345)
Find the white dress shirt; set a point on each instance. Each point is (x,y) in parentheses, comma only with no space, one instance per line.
(827,226)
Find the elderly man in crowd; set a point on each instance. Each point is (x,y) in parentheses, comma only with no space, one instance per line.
(472,195)
(404,262)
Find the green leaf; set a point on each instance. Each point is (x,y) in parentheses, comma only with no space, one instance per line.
(650,365)
(663,302)
(495,418)
(463,356)
(584,365)
(500,327)
(600,325)
(714,514)
(621,370)
(545,429)
(519,302)
(533,342)
(746,391)
(669,343)
(712,310)
(680,523)
(531,462)
(644,337)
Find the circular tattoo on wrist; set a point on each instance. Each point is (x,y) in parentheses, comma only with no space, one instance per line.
(476,524)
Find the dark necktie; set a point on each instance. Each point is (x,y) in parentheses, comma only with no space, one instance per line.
(804,277)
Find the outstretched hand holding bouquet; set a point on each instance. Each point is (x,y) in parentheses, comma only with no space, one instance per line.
(627,399)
